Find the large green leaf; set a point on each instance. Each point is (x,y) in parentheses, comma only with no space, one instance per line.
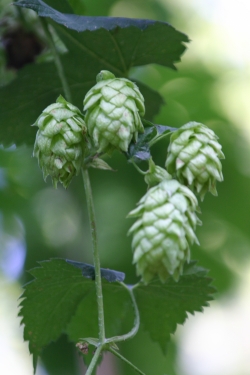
(55,298)
(163,306)
(121,42)
(61,299)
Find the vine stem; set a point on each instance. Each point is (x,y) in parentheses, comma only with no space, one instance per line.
(125,360)
(94,360)
(58,63)
(139,169)
(98,280)
(136,326)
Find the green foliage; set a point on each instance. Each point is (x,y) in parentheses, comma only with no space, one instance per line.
(62,298)
(157,301)
(114,44)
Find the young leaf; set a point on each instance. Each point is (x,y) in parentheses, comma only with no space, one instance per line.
(163,306)
(140,150)
(100,164)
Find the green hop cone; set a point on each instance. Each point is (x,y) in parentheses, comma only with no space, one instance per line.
(194,155)
(164,230)
(59,144)
(114,106)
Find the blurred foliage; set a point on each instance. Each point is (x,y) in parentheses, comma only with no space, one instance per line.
(54,224)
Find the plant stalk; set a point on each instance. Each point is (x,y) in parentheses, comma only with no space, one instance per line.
(98,280)
(94,360)
(125,360)
(136,326)
(58,63)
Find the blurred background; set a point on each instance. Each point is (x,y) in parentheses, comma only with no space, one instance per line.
(212,86)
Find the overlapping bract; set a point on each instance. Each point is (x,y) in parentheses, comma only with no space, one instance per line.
(194,155)
(114,106)
(164,230)
(59,144)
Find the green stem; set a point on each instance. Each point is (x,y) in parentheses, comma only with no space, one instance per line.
(94,360)
(125,360)
(136,326)
(139,169)
(98,280)
(158,138)
(58,63)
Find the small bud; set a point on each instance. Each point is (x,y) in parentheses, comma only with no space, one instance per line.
(83,347)
(156,174)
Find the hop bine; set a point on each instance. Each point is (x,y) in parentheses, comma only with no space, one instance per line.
(59,144)
(113,109)
(164,230)
(194,155)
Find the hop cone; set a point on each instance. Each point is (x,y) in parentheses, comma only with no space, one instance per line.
(193,155)
(164,230)
(59,141)
(114,106)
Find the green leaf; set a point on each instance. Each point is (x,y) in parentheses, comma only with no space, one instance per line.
(78,6)
(89,271)
(163,306)
(60,297)
(119,42)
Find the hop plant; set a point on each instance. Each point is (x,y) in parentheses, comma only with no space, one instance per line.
(164,230)
(59,144)
(114,106)
(194,155)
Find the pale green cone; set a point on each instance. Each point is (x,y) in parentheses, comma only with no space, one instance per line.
(164,230)
(114,106)
(59,144)
(194,155)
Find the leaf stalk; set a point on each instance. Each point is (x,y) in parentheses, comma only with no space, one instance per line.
(126,360)
(94,360)
(136,326)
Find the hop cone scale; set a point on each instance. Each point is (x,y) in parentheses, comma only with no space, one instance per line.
(59,144)
(194,155)
(164,230)
(114,106)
